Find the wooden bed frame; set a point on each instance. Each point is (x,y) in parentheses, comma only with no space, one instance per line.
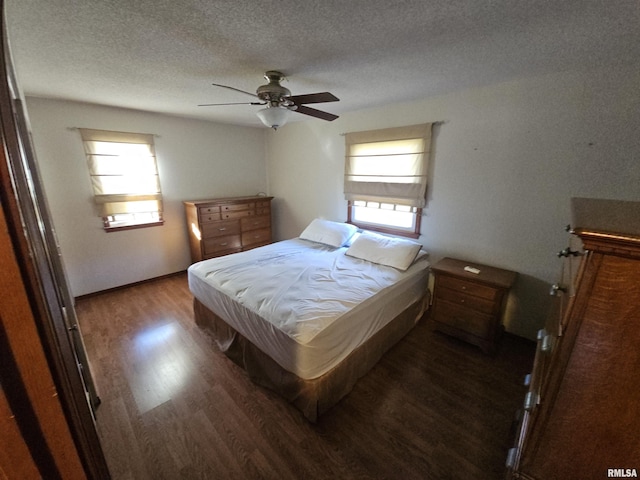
(316,396)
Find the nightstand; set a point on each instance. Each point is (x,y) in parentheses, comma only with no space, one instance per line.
(469,304)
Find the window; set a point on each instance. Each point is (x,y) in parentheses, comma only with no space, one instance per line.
(385,178)
(124,177)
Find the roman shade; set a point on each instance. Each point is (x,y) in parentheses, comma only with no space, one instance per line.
(123,172)
(388,165)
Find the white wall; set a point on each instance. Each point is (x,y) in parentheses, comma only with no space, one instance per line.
(196,160)
(506,160)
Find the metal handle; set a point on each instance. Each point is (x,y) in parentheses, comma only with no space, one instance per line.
(547,344)
(555,288)
(511,457)
(530,401)
(568,252)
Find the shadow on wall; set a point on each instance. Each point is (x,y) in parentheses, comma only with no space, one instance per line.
(528,306)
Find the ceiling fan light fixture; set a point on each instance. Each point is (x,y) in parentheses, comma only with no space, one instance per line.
(274,117)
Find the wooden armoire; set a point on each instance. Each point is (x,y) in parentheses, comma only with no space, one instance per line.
(581,415)
(47,395)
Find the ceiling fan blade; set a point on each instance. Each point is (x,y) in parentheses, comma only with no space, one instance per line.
(316,113)
(321,97)
(234,103)
(235,89)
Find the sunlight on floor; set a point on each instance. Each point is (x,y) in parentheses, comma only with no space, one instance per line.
(160,365)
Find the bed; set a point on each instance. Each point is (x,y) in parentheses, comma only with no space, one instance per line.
(307,317)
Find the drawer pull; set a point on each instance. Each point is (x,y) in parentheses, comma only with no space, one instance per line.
(547,344)
(222,229)
(464,288)
(530,401)
(224,244)
(511,457)
(541,334)
(555,288)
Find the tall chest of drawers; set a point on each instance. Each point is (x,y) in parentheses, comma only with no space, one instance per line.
(470,304)
(581,415)
(221,226)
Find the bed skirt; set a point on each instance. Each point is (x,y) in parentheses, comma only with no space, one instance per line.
(316,396)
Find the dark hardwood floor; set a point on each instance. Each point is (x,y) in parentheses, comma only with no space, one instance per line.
(174,407)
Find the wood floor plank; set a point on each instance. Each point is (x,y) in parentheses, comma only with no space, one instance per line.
(174,407)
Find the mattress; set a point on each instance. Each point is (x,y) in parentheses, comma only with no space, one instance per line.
(304,304)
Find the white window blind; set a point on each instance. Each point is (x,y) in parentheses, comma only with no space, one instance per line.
(124,177)
(388,165)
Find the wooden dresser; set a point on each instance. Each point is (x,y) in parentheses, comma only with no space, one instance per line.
(581,415)
(220,226)
(470,305)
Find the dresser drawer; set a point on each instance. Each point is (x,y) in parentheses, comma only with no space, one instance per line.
(256,236)
(208,214)
(208,210)
(253,223)
(463,318)
(237,214)
(468,287)
(237,207)
(464,299)
(221,228)
(219,244)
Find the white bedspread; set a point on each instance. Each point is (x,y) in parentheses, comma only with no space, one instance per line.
(304,304)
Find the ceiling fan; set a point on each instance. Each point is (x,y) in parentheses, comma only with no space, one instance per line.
(279,101)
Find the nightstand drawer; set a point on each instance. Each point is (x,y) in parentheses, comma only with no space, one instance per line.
(465,300)
(464,318)
(468,287)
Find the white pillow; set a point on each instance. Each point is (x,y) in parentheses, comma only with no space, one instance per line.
(334,234)
(391,251)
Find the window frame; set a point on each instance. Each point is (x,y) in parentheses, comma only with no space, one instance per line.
(110,201)
(385,188)
(379,227)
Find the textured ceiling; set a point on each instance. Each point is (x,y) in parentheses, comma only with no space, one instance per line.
(163,55)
